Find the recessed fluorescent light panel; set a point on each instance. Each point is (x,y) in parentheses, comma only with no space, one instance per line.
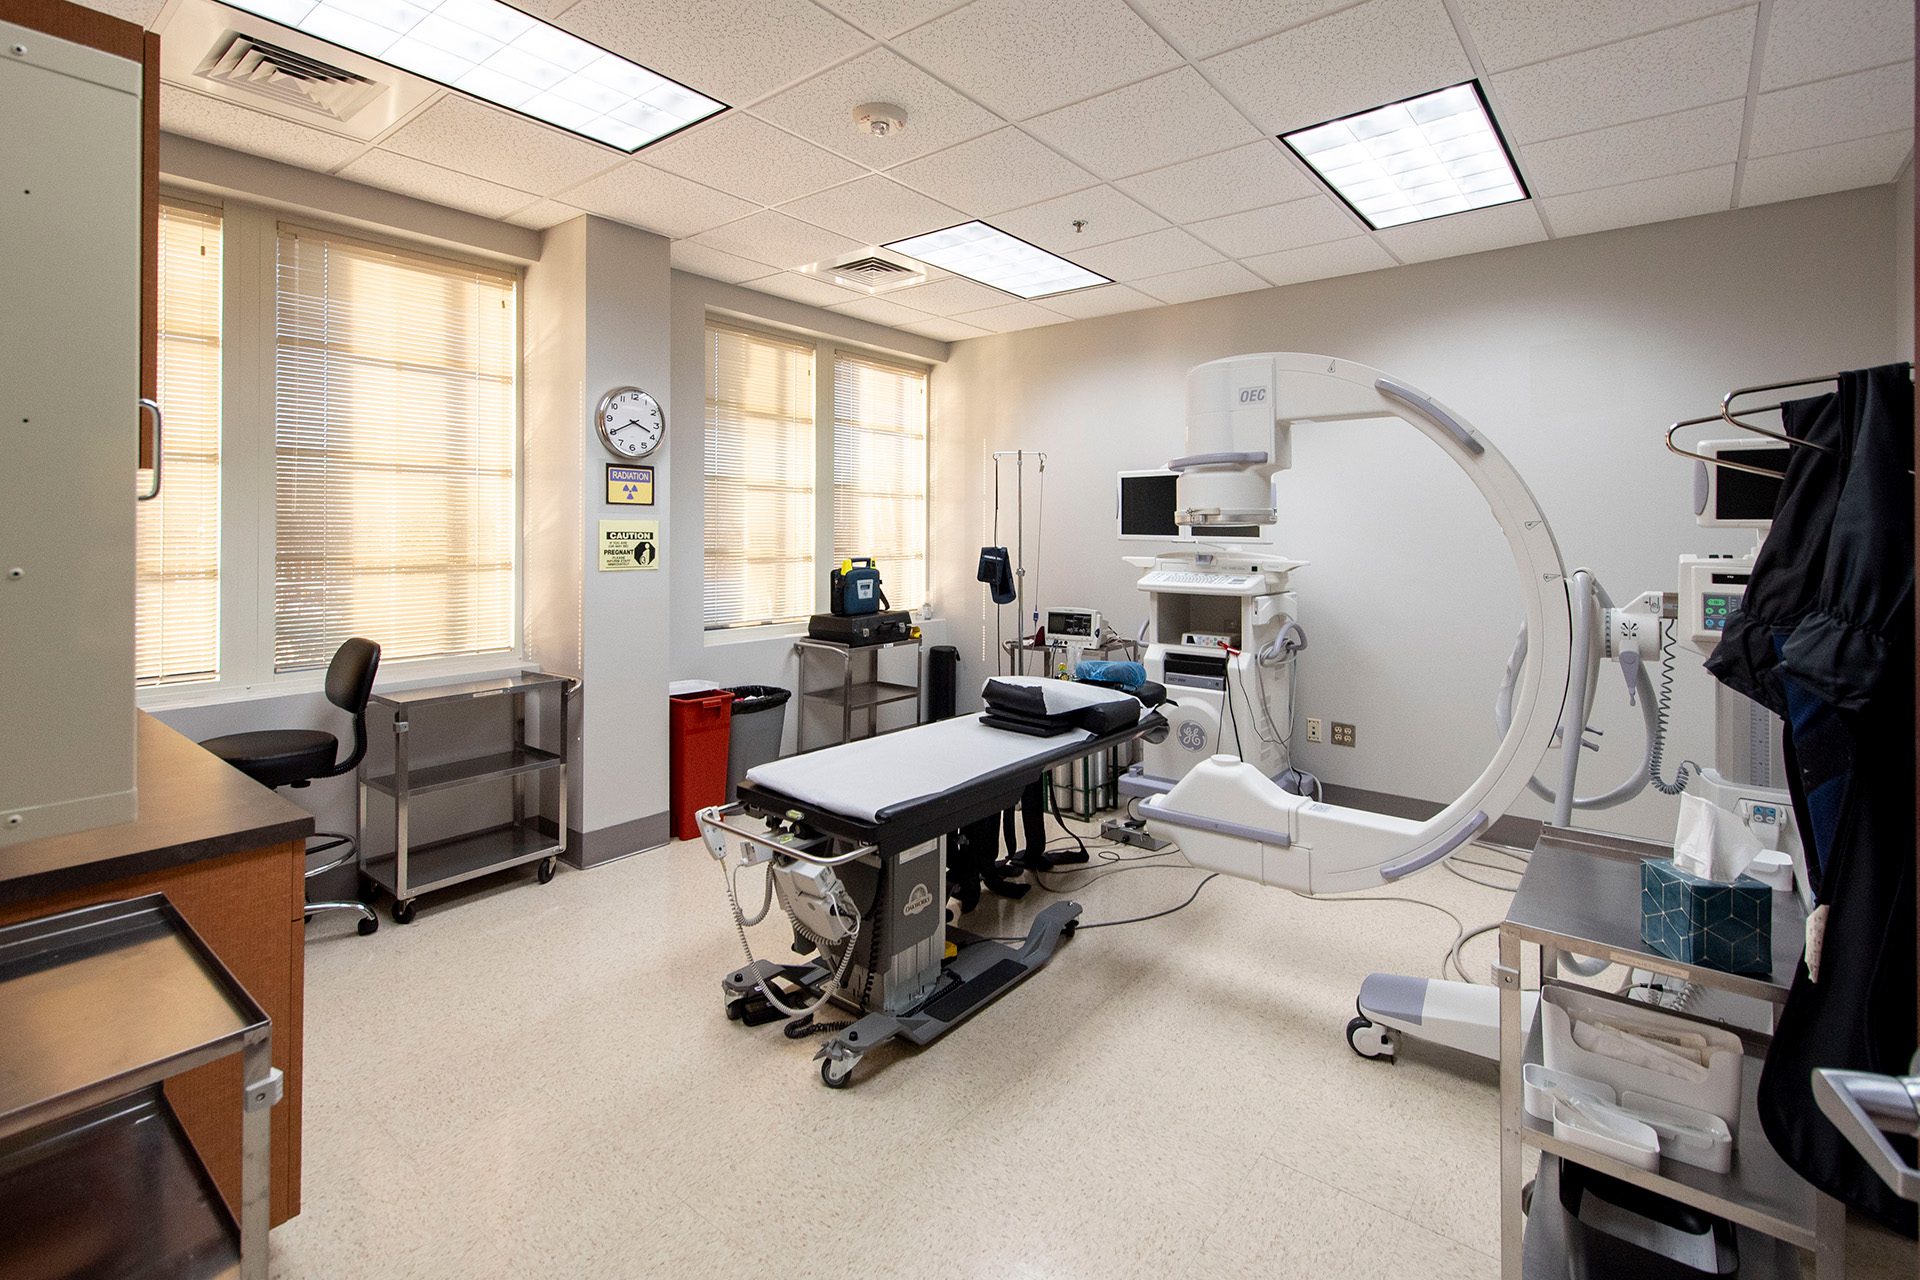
(992,257)
(503,56)
(1408,161)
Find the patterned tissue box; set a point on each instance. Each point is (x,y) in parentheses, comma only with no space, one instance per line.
(1706,922)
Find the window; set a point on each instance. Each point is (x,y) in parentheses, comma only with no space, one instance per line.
(177,549)
(759,479)
(395,435)
(880,471)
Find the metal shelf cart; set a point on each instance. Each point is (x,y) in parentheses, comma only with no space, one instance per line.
(411,870)
(102,1006)
(852,689)
(1581,896)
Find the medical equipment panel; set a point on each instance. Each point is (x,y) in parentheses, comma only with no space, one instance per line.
(1711,588)
(1147,502)
(1073,624)
(1732,498)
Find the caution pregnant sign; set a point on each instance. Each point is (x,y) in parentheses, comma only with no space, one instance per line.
(629,544)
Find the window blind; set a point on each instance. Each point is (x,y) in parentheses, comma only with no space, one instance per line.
(395,437)
(759,479)
(880,471)
(177,543)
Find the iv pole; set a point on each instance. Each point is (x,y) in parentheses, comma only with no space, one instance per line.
(1018,658)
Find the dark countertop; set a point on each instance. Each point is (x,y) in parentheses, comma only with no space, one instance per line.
(193,806)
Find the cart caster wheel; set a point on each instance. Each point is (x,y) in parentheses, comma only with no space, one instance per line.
(1370,1040)
(403,912)
(837,1073)
(547,868)
(369,925)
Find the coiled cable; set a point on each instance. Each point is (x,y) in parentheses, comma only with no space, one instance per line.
(1663,705)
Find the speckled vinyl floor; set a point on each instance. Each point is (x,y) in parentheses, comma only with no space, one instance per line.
(539,1082)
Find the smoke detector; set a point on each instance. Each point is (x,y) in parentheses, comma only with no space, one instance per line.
(880,119)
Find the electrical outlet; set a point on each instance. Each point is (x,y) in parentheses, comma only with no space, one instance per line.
(1342,734)
(1313,729)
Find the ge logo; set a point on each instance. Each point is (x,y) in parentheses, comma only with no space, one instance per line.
(1192,736)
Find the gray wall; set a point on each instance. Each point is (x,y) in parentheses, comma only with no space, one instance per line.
(1572,356)
(1903,264)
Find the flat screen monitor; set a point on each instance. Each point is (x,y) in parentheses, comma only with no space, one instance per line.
(1727,498)
(1146,502)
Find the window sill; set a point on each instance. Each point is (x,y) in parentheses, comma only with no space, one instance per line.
(405,674)
(751,635)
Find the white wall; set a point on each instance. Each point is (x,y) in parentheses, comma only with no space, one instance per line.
(1903,264)
(1572,356)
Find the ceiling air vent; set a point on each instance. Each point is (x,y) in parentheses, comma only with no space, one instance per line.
(292,79)
(870,271)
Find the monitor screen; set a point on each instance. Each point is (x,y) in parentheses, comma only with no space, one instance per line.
(1148,502)
(1741,495)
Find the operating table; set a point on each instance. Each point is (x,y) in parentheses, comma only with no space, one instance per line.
(856,838)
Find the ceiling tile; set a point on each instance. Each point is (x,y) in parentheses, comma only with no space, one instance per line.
(1249,177)
(821,109)
(1020,58)
(1108,216)
(425,181)
(873,210)
(1864,162)
(948,297)
(1861,105)
(1002,170)
(1205,27)
(1677,143)
(1011,316)
(1154,254)
(1812,39)
(777,240)
(463,135)
(1321,261)
(192,115)
(664,203)
(1472,232)
(1203,282)
(885,18)
(1157,122)
(142,12)
(702,260)
(544,214)
(1350,61)
(751,159)
(1651,75)
(734,50)
(945,330)
(880,311)
(1106,300)
(1285,226)
(798,288)
(1676,195)
(1511,33)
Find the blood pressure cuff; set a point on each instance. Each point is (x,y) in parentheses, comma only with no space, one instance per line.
(996,570)
(1044,707)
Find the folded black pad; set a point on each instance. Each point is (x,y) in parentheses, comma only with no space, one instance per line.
(1044,707)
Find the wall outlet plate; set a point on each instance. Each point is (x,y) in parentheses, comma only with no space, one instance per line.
(1342,734)
(1313,729)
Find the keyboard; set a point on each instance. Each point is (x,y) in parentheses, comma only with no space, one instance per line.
(1174,578)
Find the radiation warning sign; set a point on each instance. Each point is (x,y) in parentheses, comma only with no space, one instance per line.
(629,544)
(630,486)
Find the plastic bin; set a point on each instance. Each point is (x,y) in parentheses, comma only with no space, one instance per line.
(759,721)
(697,726)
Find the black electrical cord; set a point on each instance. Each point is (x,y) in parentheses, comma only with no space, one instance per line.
(1108,924)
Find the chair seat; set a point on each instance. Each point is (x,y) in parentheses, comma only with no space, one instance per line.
(278,757)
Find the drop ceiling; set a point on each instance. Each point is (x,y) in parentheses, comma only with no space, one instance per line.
(1152,123)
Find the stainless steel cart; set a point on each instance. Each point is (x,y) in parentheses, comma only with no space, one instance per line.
(411,870)
(102,1006)
(853,686)
(1581,896)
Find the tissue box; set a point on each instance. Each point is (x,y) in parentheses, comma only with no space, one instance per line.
(1708,922)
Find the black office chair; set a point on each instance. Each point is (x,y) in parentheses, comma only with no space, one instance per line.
(295,757)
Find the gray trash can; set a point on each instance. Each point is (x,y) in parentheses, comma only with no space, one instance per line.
(759,720)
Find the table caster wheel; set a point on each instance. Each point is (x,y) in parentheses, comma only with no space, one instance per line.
(369,925)
(547,867)
(736,1009)
(1370,1040)
(837,1073)
(403,911)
